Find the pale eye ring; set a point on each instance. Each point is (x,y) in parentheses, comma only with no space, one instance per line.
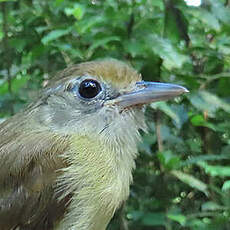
(89,88)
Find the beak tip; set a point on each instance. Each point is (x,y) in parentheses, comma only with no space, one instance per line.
(177,89)
(184,90)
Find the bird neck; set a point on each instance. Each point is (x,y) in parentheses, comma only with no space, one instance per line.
(98,178)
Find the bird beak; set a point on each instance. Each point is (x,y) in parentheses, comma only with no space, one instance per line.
(147,92)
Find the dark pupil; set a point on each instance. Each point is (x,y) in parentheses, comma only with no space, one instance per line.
(89,88)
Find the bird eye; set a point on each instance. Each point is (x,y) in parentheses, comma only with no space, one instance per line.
(89,88)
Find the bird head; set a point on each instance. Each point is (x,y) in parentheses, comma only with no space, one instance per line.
(101,97)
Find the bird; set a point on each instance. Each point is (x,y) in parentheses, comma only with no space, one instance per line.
(66,160)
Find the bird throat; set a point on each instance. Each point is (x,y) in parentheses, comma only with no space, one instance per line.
(98,178)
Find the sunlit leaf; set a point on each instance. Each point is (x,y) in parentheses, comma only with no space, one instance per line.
(209,102)
(176,112)
(215,170)
(209,157)
(226,185)
(198,120)
(55,34)
(102,43)
(207,18)
(191,181)
(77,11)
(220,11)
(181,219)
(211,206)
(86,24)
(164,48)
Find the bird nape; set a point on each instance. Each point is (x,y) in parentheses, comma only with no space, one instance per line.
(66,161)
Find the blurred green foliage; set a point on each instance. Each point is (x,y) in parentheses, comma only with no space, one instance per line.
(182,180)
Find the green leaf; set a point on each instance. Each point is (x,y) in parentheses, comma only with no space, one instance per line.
(191,181)
(220,11)
(169,137)
(207,18)
(135,215)
(198,120)
(176,112)
(18,44)
(134,47)
(148,219)
(211,206)
(148,140)
(103,42)
(86,24)
(209,157)
(169,160)
(154,219)
(74,52)
(77,11)
(226,185)
(55,34)
(181,219)
(194,145)
(209,102)
(41,29)
(17,83)
(215,170)
(1,34)
(164,48)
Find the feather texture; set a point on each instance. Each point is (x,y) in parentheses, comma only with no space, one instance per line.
(66,163)
(29,158)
